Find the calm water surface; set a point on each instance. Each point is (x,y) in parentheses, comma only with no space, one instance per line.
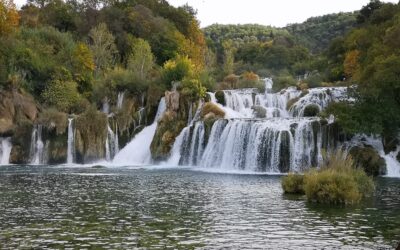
(120,208)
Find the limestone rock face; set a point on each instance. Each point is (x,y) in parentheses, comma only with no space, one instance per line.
(172,100)
(15,106)
(91,135)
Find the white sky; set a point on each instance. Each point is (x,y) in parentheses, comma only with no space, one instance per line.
(267,12)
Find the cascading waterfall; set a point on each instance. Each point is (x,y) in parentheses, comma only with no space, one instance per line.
(280,141)
(112,144)
(37,148)
(137,152)
(274,146)
(71,142)
(5,150)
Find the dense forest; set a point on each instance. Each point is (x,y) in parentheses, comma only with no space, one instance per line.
(74,55)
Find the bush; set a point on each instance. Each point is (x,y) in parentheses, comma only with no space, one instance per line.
(282,82)
(53,119)
(61,94)
(293,183)
(311,110)
(338,181)
(220,96)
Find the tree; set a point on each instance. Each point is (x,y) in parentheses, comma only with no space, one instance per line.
(141,60)
(229,57)
(103,47)
(9,17)
(351,63)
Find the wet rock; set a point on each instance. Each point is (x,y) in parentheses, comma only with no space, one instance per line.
(21,141)
(284,152)
(389,143)
(368,158)
(259,111)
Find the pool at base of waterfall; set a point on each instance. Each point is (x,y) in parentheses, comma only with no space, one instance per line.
(178,208)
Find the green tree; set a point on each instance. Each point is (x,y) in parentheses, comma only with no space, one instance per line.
(141,60)
(102,45)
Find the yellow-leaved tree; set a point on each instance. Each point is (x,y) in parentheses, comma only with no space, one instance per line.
(9,17)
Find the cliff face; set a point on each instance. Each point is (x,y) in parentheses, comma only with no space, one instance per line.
(15,107)
(170,125)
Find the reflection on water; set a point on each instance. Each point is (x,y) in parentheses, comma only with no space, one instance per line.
(44,207)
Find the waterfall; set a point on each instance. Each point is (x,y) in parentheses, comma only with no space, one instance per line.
(5,150)
(280,141)
(106,106)
(274,146)
(37,148)
(112,144)
(137,152)
(71,142)
(120,100)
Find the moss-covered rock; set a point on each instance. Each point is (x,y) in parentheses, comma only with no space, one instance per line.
(259,111)
(211,109)
(21,141)
(220,96)
(390,143)
(368,158)
(311,110)
(291,102)
(91,134)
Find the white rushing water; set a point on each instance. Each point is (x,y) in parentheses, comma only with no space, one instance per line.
(137,152)
(71,142)
(37,148)
(112,144)
(5,150)
(259,133)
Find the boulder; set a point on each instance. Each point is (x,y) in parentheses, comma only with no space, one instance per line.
(211,108)
(259,111)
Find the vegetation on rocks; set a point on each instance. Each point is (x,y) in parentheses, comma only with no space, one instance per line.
(338,181)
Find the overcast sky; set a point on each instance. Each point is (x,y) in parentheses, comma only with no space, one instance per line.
(267,12)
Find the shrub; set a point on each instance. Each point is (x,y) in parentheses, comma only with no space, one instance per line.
(53,119)
(338,181)
(61,94)
(311,110)
(220,96)
(293,183)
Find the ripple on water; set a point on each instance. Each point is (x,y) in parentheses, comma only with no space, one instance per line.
(43,207)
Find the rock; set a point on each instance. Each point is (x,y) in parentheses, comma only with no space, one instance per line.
(21,141)
(98,167)
(90,137)
(220,96)
(259,111)
(172,100)
(15,106)
(369,160)
(389,143)
(284,152)
(311,110)
(291,102)
(209,108)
